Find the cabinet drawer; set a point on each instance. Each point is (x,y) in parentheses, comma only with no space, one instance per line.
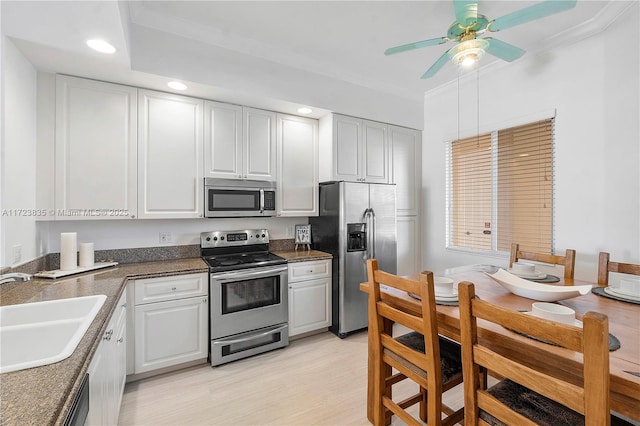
(302,271)
(151,290)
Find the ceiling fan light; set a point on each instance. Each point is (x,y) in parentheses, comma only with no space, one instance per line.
(469,52)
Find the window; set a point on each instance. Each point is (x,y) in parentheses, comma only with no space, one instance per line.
(500,189)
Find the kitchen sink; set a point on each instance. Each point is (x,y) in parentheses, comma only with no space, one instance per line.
(41,333)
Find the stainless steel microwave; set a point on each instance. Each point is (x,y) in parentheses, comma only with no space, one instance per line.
(239,198)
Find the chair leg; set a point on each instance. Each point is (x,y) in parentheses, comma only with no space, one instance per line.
(423,405)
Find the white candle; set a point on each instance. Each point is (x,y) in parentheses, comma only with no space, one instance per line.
(86,254)
(68,251)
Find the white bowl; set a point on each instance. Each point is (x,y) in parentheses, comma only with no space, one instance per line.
(538,291)
(443,286)
(629,288)
(523,268)
(553,312)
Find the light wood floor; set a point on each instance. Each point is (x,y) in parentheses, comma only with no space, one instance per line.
(318,380)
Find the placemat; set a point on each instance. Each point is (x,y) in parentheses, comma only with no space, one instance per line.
(600,292)
(547,279)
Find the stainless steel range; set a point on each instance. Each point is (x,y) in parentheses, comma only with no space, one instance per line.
(248,294)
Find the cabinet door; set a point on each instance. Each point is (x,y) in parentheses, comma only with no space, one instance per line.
(408,245)
(405,169)
(97,389)
(95,150)
(309,305)
(297,193)
(222,140)
(170,333)
(259,134)
(375,152)
(170,180)
(347,148)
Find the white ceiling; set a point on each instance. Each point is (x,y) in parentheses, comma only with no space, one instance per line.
(333,40)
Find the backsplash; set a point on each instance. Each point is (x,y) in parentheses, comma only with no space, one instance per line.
(51,261)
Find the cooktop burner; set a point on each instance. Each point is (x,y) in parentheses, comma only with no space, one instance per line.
(234,250)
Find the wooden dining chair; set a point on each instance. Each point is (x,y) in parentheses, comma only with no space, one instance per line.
(605,266)
(527,396)
(431,361)
(568,260)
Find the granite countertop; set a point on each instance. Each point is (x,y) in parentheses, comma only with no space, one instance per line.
(302,255)
(43,395)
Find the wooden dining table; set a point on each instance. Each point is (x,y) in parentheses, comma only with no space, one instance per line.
(624,324)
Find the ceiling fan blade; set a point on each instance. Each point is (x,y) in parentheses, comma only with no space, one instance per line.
(502,50)
(466,11)
(416,45)
(436,65)
(531,13)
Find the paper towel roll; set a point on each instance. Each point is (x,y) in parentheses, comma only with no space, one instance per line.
(86,254)
(68,251)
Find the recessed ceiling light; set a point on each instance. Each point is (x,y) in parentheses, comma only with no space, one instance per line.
(101,45)
(177,85)
(305,110)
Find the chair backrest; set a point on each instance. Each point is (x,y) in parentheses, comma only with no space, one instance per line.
(568,260)
(605,266)
(390,308)
(591,399)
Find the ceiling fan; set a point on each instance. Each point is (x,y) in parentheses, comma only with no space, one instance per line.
(469,24)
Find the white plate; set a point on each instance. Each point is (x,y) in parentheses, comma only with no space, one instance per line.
(536,276)
(538,291)
(452,298)
(612,291)
(576,323)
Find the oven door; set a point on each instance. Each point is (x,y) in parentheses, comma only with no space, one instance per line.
(248,299)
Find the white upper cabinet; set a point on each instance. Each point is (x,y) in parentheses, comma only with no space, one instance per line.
(297,152)
(240,142)
(170,135)
(353,149)
(95,149)
(222,140)
(259,144)
(405,168)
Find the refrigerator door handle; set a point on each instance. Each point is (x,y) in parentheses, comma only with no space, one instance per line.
(366,219)
(372,233)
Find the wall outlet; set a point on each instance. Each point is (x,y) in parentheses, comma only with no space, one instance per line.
(17,254)
(165,237)
(290,231)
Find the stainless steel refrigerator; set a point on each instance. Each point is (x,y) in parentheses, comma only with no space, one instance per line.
(356,222)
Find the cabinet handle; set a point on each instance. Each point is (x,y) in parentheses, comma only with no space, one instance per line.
(120,340)
(204,300)
(108,334)
(173,288)
(133,216)
(124,305)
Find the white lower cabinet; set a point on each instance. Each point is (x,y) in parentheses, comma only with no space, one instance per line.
(309,296)
(171,318)
(108,369)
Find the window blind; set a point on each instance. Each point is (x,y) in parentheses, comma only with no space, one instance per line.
(525,187)
(500,189)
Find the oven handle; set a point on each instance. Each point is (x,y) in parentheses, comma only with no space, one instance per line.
(253,336)
(234,275)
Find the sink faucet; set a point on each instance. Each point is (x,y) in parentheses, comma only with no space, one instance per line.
(14,276)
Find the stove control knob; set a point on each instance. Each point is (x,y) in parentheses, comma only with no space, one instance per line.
(214,238)
(221,238)
(208,238)
(262,235)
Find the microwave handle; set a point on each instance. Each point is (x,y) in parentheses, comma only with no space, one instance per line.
(261,200)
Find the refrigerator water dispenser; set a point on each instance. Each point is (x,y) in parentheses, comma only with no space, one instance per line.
(356,237)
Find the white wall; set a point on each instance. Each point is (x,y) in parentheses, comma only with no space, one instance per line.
(594,86)
(134,233)
(18,157)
